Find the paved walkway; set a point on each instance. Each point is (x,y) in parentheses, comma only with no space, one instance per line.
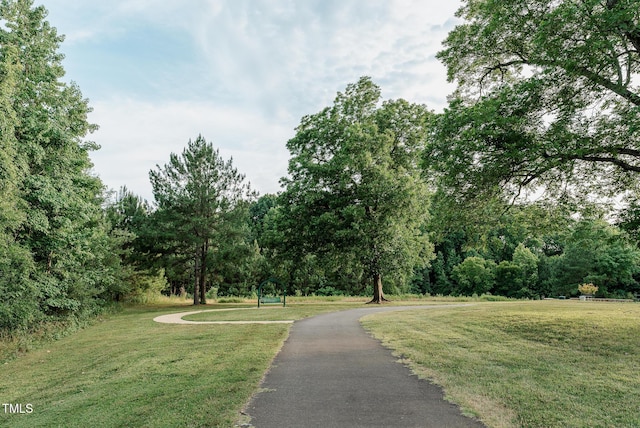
(332,373)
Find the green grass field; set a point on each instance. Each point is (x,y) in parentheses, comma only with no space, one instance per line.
(131,371)
(527,364)
(532,364)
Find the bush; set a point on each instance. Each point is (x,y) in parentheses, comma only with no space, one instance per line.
(212,294)
(145,286)
(231,300)
(329,291)
(587,288)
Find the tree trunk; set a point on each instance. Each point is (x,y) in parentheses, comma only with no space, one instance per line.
(203,273)
(203,291)
(378,295)
(196,281)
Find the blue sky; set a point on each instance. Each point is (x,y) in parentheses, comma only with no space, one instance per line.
(241,72)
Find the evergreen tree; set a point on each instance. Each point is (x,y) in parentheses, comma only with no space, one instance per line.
(197,194)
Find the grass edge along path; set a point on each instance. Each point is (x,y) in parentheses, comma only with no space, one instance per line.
(534,364)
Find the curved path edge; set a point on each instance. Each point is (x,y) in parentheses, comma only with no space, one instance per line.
(177,318)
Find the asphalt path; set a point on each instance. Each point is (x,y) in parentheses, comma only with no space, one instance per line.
(332,373)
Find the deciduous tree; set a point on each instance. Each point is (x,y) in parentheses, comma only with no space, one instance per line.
(54,249)
(597,252)
(474,275)
(354,190)
(548,95)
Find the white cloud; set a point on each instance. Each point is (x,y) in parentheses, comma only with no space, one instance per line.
(292,55)
(136,136)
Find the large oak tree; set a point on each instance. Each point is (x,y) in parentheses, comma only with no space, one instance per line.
(354,192)
(548,95)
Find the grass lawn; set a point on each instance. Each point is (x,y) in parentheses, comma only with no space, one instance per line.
(275,312)
(527,364)
(127,370)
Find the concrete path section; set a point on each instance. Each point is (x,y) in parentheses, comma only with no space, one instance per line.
(177,318)
(332,373)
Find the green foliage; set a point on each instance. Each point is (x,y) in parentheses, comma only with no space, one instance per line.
(354,192)
(548,95)
(328,291)
(441,284)
(144,287)
(474,275)
(201,205)
(596,252)
(258,212)
(540,249)
(237,263)
(54,248)
(528,264)
(231,300)
(128,212)
(629,219)
(509,278)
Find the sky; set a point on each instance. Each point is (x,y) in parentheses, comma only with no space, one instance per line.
(241,73)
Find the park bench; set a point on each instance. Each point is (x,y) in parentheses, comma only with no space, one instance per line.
(270,300)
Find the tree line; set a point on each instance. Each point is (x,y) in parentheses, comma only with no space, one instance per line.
(382,196)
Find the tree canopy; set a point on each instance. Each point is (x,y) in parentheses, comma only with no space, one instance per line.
(54,247)
(548,95)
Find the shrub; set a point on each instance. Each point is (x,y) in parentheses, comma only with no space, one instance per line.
(329,291)
(587,288)
(212,294)
(474,275)
(231,300)
(145,286)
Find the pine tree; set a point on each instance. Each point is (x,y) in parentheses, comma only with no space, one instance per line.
(197,193)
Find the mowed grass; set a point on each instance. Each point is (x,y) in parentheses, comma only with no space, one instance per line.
(268,312)
(295,309)
(128,370)
(527,364)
